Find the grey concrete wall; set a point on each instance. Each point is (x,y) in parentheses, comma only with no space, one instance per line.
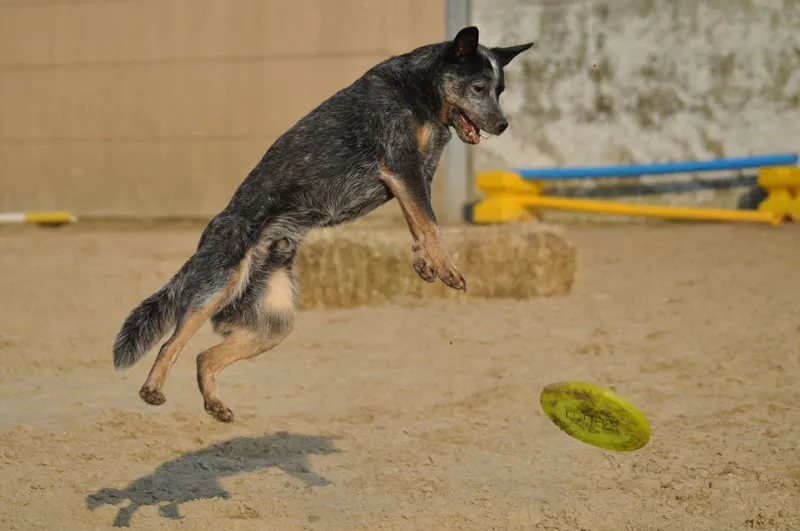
(622,81)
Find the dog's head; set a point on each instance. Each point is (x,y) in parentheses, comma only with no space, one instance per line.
(473,81)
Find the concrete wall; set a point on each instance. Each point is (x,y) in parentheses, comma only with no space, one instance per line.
(620,81)
(161,107)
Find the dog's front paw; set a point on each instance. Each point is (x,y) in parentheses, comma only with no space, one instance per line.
(423,265)
(451,277)
(433,261)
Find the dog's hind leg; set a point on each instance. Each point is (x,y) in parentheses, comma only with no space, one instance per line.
(274,320)
(188,324)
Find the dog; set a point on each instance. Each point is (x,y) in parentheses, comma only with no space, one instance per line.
(377,139)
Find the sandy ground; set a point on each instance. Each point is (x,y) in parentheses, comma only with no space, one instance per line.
(420,417)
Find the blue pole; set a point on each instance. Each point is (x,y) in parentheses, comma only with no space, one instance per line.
(635,170)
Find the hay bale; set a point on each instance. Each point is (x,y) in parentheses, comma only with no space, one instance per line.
(346,267)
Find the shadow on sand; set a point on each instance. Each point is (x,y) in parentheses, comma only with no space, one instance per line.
(196,475)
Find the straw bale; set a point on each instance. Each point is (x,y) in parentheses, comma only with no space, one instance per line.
(344,267)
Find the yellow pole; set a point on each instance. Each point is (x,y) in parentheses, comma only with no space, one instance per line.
(38,217)
(668,212)
(49,217)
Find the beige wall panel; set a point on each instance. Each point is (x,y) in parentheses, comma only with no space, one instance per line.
(146,178)
(413,23)
(230,98)
(33,33)
(161,107)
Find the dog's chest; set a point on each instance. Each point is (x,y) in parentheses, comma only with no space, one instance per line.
(356,197)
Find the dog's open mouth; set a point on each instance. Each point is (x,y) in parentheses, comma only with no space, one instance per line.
(466,130)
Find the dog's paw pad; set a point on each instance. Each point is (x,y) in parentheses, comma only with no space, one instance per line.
(154,397)
(219,411)
(425,270)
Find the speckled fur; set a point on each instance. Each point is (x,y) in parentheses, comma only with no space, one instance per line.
(379,138)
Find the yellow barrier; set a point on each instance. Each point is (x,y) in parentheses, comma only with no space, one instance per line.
(667,212)
(502,190)
(508,197)
(782,184)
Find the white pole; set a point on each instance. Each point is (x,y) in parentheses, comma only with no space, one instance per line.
(12,217)
(458,176)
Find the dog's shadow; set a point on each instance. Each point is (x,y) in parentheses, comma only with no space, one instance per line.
(196,475)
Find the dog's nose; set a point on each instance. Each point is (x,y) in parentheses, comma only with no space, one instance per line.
(501,126)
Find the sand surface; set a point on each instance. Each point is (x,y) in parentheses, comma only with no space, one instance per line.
(415,417)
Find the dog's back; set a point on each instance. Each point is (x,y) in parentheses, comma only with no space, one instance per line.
(323,171)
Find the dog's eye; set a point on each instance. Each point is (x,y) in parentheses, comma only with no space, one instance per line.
(477,88)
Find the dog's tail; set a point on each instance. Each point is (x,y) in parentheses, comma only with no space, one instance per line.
(144,325)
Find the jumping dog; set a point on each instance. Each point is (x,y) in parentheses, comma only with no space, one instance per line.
(377,139)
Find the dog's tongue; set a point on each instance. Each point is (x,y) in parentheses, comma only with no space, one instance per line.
(471,133)
(474,135)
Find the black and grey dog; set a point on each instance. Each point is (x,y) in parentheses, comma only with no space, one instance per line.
(377,139)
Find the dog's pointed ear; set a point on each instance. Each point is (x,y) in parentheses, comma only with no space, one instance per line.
(505,55)
(466,42)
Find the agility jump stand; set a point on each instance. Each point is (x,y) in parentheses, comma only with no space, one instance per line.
(37,218)
(519,195)
(782,184)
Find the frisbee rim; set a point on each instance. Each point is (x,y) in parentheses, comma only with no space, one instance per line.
(635,425)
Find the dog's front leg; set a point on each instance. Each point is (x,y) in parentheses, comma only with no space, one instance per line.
(430,144)
(431,257)
(422,262)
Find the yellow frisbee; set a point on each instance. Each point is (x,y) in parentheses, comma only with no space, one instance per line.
(596,416)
